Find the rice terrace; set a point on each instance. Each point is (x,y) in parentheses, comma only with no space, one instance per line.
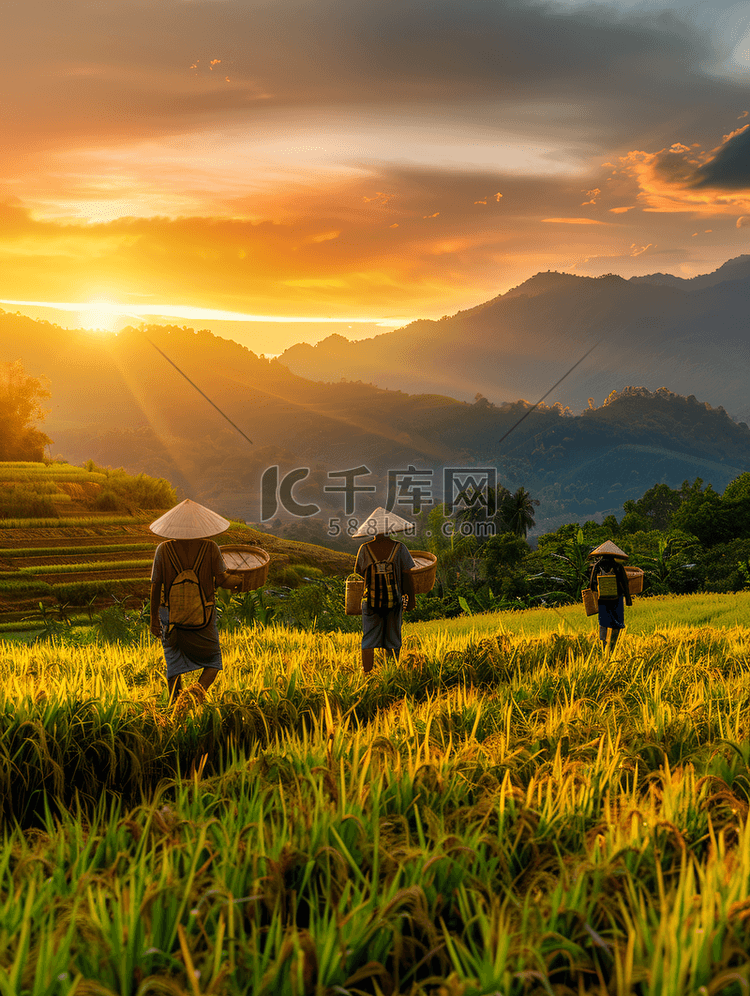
(507,810)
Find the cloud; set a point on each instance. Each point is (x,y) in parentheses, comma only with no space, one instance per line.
(337,248)
(105,73)
(688,178)
(215,146)
(573,221)
(729,167)
(379,198)
(325,236)
(592,195)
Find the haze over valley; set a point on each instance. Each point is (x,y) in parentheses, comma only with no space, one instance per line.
(670,368)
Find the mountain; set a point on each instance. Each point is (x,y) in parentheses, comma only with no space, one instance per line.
(121,401)
(692,335)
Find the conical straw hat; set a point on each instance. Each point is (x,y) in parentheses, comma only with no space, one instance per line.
(189,520)
(382,522)
(609,548)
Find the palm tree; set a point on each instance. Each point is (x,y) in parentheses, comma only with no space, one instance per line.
(484,510)
(518,512)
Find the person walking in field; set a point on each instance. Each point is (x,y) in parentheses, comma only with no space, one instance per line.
(186,571)
(609,580)
(386,565)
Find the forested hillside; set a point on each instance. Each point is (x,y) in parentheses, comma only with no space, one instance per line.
(121,401)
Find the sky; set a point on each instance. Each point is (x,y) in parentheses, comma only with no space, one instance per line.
(366,162)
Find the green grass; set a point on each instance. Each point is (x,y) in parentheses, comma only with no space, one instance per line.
(86,567)
(646,614)
(78,551)
(21,587)
(77,522)
(24,473)
(77,592)
(506,810)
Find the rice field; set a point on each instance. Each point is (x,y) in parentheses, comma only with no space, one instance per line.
(76,522)
(507,810)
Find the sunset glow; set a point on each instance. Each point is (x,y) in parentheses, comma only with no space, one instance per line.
(99,316)
(407,170)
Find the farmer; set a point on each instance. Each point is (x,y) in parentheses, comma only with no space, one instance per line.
(609,580)
(385,564)
(183,614)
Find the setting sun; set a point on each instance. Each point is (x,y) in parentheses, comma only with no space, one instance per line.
(100,316)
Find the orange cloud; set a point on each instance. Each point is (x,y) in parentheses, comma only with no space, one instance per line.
(680,178)
(573,221)
(379,198)
(313,263)
(325,236)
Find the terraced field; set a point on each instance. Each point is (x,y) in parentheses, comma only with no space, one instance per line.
(73,565)
(80,557)
(35,564)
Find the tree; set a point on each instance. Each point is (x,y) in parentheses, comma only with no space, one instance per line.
(705,515)
(20,406)
(483,516)
(518,512)
(738,489)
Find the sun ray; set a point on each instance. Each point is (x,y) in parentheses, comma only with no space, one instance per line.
(101,315)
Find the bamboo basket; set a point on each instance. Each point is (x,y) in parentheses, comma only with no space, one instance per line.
(635,580)
(424,572)
(590,601)
(355,590)
(250,563)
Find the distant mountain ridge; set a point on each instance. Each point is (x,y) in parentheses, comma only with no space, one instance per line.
(734,269)
(117,401)
(691,334)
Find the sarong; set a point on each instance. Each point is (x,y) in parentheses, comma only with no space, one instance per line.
(187,650)
(612,613)
(381,629)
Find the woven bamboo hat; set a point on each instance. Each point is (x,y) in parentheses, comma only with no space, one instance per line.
(608,548)
(382,522)
(189,520)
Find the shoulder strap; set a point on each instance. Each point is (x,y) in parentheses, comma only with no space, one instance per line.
(173,556)
(367,547)
(374,560)
(201,555)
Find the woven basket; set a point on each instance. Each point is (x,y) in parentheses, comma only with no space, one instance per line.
(635,580)
(590,601)
(250,563)
(424,572)
(355,590)
(607,586)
